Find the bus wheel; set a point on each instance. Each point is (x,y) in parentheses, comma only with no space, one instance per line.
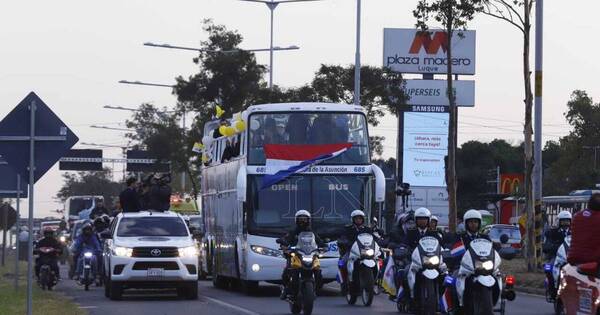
(249,287)
(220,282)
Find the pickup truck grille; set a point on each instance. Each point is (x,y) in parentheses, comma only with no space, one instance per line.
(155,252)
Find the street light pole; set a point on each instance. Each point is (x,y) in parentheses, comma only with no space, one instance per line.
(272,6)
(539,58)
(357,61)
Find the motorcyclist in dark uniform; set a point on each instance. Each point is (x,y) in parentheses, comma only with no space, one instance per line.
(433,226)
(554,238)
(421,229)
(51,258)
(472,220)
(303,224)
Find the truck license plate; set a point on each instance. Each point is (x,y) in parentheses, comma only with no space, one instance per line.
(155,272)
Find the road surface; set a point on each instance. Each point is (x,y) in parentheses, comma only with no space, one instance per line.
(265,301)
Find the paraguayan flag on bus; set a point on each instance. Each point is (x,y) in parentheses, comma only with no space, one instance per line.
(285,160)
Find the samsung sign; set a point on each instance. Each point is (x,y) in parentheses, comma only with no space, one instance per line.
(434,92)
(415,51)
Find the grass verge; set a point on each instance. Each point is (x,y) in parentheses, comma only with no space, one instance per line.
(530,281)
(44,302)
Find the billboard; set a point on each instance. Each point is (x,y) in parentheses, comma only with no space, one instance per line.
(415,51)
(433,198)
(435,92)
(424,149)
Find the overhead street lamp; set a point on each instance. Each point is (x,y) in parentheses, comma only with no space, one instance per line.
(272,5)
(105,145)
(228,51)
(145,83)
(130,109)
(111,128)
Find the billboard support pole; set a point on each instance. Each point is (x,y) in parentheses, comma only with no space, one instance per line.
(30,219)
(16,280)
(4,228)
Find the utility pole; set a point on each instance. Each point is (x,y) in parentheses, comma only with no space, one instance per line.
(535,221)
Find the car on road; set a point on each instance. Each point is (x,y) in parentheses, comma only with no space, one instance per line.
(150,250)
(579,290)
(495,231)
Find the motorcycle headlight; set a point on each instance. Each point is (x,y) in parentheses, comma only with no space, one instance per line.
(266,251)
(122,251)
(307,260)
(190,251)
(367,252)
(62,239)
(87,255)
(487,265)
(433,260)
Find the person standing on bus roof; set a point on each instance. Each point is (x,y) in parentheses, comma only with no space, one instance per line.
(302,219)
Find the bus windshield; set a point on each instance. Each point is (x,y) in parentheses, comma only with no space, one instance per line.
(309,128)
(329,198)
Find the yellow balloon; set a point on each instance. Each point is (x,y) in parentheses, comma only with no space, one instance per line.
(240,125)
(229,131)
(219,111)
(223,130)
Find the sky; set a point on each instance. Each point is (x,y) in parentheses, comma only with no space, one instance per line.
(72,53)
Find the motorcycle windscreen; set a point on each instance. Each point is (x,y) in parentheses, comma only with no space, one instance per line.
(429,244)
(365,239)
(306,242)
(481,247)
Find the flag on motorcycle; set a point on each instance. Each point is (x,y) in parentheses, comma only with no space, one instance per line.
(458,249)
(285,160)
(446,301)
(389,275)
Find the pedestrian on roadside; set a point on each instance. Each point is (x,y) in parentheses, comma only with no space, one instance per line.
(129,199)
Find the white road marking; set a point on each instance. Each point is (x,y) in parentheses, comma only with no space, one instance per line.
(87,307)
(231,306)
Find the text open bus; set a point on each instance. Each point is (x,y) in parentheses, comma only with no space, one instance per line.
(244,220)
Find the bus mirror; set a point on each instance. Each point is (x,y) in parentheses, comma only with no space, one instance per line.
(379,183)
(242,177)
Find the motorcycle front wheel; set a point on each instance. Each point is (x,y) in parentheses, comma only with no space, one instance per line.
(86,279)
(367,282)
(482,303)
(308,297)
(428,297)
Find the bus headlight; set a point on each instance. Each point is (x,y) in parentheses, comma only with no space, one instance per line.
(122,251)
(190,251)
(265,251)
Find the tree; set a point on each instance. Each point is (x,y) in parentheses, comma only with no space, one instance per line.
(158,131)
(90,183)
(518,14)
(574,165)
(454,16)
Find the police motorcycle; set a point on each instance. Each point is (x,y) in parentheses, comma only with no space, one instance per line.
(305,273)
(552,270)
(363,268)
(479,284)
(423,277)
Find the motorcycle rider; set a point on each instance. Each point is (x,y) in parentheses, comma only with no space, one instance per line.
(433,226)
(87,240)
(421,229)
(556,236)
(302,220)
(51,258)
(472,220)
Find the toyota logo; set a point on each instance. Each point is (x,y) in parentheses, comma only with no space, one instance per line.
(155,252)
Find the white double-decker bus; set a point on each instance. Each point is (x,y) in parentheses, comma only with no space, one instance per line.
(244,219)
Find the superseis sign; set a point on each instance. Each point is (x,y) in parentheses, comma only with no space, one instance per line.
(415,51)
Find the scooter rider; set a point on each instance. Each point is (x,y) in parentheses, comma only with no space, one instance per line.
(86,240)
(555,237)
(433,226)
(302,219)
(52,258)
(472,220)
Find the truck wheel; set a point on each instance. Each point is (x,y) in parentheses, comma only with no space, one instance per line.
(116,291)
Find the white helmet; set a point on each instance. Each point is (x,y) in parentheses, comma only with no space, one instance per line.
(564,215)
(472,214)
(434,218)
(357,213)
(422,213)
(302,213)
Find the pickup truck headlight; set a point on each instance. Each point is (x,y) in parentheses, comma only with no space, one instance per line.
(122,251)
(265,251)
(190,251)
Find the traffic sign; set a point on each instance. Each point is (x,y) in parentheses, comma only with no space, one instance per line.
(93,164)
(52,137)
(143,161)
(8,182)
